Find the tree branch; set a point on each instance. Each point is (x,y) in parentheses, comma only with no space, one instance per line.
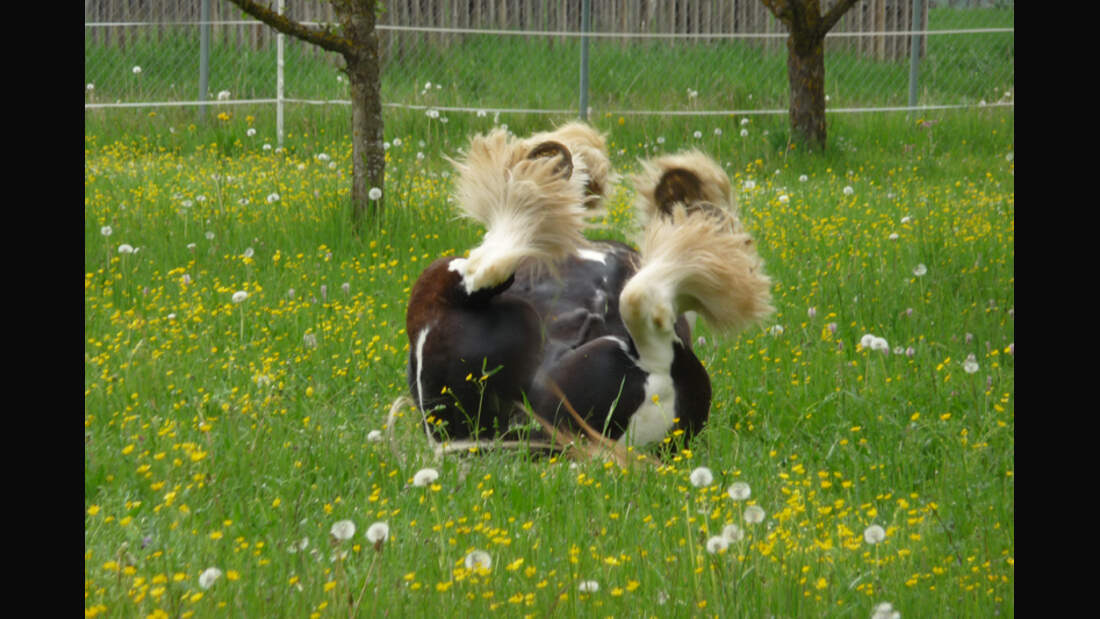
(322,38)
(833,16)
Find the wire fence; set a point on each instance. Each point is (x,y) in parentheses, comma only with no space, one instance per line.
(664,57)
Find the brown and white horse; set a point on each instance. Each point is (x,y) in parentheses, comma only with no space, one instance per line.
(540,320)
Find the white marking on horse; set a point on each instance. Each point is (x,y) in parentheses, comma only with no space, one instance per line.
(592,255)
(421,339)
(654,418)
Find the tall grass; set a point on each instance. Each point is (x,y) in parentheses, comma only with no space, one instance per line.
(494,71)
(234,435)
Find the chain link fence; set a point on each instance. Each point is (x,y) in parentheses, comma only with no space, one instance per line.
(661,57)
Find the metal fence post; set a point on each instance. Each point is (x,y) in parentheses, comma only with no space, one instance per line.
(204,57)
(586,11)
(279,80)
(914,53)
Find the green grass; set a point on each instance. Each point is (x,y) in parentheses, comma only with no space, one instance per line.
(480,71)
(218,435)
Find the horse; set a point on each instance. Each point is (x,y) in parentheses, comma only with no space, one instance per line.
(582,335)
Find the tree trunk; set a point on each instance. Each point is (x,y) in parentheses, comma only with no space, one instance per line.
(364,78)
(368,154)
(358,43)
(806,77)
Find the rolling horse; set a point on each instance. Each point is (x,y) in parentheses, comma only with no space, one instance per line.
(594,335)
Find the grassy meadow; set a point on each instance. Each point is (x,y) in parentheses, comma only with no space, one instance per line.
(245,432)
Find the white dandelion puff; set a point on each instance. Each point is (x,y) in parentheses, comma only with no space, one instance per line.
(378,532)
(885,610)
(126,248)
(739,491)
(272,198)
(106,230)
(374,436)
(342,529)
(136,70)
(848,190)
(702,477)
(754,514)
(478,560)
(424,477)
(971,364)
(874,534)
(223,95)
(733,533)
(251,132)
(374,193)
(717,544)
(588,586)
(240,296)
(208,577)
(920,270)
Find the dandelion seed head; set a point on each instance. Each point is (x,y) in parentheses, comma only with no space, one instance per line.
(874,534)
(739,491)
(424,477)
(208,577)
(733,533)
(701,477)
(478,560)
(374,193)
(971,364)
(754,514)
(588,586)
(125,248)
(920,270)
(240,296)
(885,610)
(378,532)
(342,530)
(717,544)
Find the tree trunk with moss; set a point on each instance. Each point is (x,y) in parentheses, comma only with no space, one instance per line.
(807,28)
(357,41)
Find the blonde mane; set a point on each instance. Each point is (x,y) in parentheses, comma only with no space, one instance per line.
(587,143)
(709,266)
(531,210)
(714,182)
